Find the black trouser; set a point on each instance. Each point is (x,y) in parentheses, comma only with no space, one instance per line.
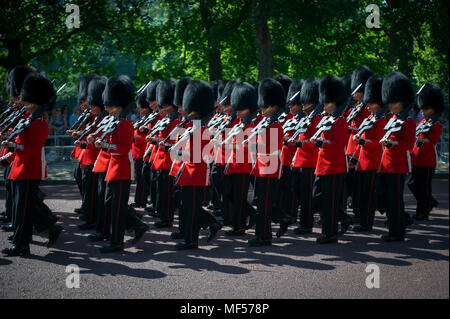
(238,206)
(328,196)
(217,185)
(395,207)
(146,177)
(366,196)
(43,217)
(420,184)
(140,196)
(348,187)
(116,201)
(303,181)
(194,216)
(89,195)
(153,186)
(227,199)
(288,200)
(24,207)
(164,198)
(9,194)
(104,216)
(77,176)
(266,190)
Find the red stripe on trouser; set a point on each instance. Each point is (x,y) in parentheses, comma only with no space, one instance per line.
(118,210)
(428,191)
(292,204)
(370,198)
(193,214)
(24,212)
(168,197)
(265,211)
(332,203)
(241,204)
(398,206)
(310,198)
(91,219)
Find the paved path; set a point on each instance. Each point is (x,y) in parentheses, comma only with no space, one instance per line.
(293,267)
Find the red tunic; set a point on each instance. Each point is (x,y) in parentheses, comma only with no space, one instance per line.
(162,159)
(219,158)
(332,158)
(102,162)
(176,165)
(288,152)
(29,163)
(270,143)
(120,165)
(195,171)
(139,144)
(370,154)
(426,154)
(306,155)
(397,160)
(354,125)
(239,161)
(149,146)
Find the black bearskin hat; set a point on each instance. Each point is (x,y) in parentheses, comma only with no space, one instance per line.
(151,90)
(295,89)
(226,93)
(142,100)
(331,89)
(16,77)
(372,92)
(347,80)
(360,76)
(284,80)
(310,92)
(38,89)
(271,92)
(397,88)
(165,92)
(95,91)
(198,97)
(214,84)
(83,86)
(220,86)
(179,90)
(243,97)
(119,91)
(431,97)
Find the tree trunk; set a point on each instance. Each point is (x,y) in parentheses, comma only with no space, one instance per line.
(263,41)
(215,64)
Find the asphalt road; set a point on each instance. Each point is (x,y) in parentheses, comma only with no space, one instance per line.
(293,267)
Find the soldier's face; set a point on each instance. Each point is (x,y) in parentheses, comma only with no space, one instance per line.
(329,107)
(373,107)
(243,114)
(228,109)
(295,108)
(396,108)
(143,111)
(153,105)
(30,107)
(308,107)
(427,113)
(358,96)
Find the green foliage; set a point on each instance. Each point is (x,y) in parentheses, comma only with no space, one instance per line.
(149,39)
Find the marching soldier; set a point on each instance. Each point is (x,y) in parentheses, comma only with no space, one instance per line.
(367,156)
(331,138)
(239,164)
(162,161)
(119,95)
(194,175)
(138,150)
(147,171)
(267,169)
(354,119)
(397,93)
(424,157)
(37,94)
(288,200)
(305,158)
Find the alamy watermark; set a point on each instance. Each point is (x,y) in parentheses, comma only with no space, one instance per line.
(73,279)
(373,20)
(73,19)
(373,279)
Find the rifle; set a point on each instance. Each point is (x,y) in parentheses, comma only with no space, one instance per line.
(80,119)
(12,120)
(91,126)
(324,125)
(238,128)
(305,122)
(426,127)
(6,113)
(263,125)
